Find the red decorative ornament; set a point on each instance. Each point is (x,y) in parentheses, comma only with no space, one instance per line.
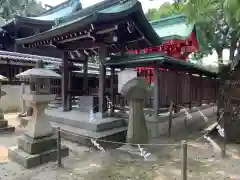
(179,49)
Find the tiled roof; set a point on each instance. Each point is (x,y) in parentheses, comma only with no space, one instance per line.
(28,57)
(20,57)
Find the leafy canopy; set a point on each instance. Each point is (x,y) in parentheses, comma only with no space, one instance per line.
(217,22)
(10,8)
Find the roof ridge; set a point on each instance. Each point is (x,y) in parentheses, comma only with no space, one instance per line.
(161,20)
(59,7)
(86,11)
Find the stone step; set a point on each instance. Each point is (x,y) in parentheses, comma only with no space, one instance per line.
(3,123)
(7,129)
(84,136)
(96,125)
(33,160)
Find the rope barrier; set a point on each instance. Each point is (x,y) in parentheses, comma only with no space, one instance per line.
(115,142)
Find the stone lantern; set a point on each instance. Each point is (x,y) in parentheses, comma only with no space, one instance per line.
(38,145)
(136,91)
(4,127)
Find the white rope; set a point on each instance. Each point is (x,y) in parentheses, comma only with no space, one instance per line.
(202,115)
(95,144)
(143,153)
(220,130)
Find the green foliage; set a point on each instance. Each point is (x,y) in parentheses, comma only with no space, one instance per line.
(165,10)
(217,19)
(232,9)
(10,8)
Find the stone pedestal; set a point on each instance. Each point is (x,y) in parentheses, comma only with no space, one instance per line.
(4,127)
(38,145)
(137,129)
(135,91)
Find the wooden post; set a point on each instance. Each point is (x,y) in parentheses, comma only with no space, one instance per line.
(156,90)
(170,119)
(190,91)
(65,80)
(184,160)
(69,95)
(227,114)
(218,97)
(85,76)
(201,91)
(112,86)
(102,77)
(59,160)
(122,103)
(176,93)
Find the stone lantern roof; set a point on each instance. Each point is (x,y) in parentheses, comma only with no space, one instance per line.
(3,78)
(38,73)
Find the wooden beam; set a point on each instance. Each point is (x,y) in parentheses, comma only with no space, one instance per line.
(156,90)
(80,61)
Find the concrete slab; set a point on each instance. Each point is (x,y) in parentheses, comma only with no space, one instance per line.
(7,129)
(30,161)
(83,136)
(80,119)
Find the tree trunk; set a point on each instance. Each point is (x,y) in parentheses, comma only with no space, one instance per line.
(219,54)
(233,46)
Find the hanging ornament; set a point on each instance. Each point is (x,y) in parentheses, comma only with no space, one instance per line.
(143,153)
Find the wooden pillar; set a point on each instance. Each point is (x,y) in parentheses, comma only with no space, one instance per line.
(85,76)
(190,91)
(102,78)
(69,87)
(65,79)
(150,81)
(176,93)
(201,91)
(216,90)
(156,90)
(112,86)
(122,104)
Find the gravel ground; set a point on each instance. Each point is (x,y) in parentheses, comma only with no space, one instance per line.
(88,164)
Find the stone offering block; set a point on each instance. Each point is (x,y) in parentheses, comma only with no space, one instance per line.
(87,103)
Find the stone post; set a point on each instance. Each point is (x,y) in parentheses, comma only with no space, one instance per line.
(136,91)
(23,106)
(38,145)
(4,127)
